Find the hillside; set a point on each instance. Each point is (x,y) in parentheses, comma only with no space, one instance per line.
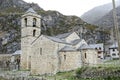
(97,13)
(107,20)
(53,23)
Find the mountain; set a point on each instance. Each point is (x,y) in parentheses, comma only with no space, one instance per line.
(22,5)
(97,13)
(107,20)
(53,23)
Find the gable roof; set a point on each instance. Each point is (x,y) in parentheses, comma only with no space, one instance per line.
(52,39)
(18,52)
(56,39)
(76,41)
(62,36)
(68,48)
(30,10)
(91,46)
(96,45)
(86,47)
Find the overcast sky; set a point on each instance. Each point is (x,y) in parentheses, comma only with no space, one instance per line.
(69,7)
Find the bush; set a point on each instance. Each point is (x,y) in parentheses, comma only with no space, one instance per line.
(112,78)
(80,71)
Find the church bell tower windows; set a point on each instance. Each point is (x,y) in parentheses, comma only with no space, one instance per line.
(34,22)
(34,32)
(30,24)
(85,55)
(25,22)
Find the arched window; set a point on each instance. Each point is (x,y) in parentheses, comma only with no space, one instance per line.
(34,22)
(85,56)
(64,57)
(34,31)
(99,48)
(40,51)
(25,20)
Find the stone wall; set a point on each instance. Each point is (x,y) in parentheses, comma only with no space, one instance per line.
(4,57)
(78,45)
(70,60)
(44,59)
(30,17)
(90,57)
(72,37)
(26,51)
(28,34)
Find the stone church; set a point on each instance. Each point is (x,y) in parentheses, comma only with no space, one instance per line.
(42,54)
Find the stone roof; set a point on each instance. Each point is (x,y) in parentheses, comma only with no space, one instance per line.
(86,47)
(68,48)
(62,36)
(56,39)
(91,46)
(75,41)
(30,10)
(95,45)
(18,52)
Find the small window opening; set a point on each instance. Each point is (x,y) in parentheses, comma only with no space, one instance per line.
(34,32)
(40,51)
(25,22)
(85,56)
(99,48)
(113,54)
(34,22)
(64,57)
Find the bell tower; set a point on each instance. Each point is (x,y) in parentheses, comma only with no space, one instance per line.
(30,30)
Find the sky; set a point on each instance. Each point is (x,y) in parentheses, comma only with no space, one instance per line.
(69,7)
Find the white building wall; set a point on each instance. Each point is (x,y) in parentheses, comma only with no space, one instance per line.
(114,53)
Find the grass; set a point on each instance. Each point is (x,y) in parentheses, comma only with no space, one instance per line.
(62,76)
(70,76)
(108,66)
(110,63)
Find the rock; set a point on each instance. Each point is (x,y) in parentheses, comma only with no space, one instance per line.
(53,23)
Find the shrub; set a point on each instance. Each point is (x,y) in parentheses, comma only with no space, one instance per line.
(80,71)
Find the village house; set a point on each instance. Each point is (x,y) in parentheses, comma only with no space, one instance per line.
(99,47)
(42,54)
(91,55)
(113,50)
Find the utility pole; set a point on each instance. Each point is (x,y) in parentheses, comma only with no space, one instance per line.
(116,26)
